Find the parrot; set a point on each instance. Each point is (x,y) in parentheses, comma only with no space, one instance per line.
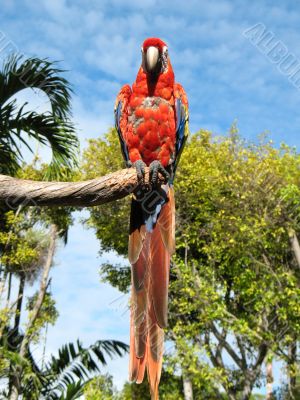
(151,119)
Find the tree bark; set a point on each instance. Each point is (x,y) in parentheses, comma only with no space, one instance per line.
(270,379)
(16,379)
(187,388)
(17,321)
(19,302)
(291,367)
(247,390)
(250,372)
(15,192)
(293,346)
(295,245)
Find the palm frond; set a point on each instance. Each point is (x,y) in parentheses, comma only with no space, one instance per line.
(8,160)
(89,357)
(63,376)
(74,391)
(77,363)
(53,128)
(48,129)
(34,73)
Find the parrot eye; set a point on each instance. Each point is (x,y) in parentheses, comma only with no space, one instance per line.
(164,58)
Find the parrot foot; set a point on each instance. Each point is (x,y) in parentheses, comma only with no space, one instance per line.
(155,168)
(139,166)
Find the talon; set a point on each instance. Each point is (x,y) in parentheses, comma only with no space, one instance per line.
(139,165)
(155,168)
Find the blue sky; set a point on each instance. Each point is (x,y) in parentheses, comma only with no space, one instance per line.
(226,76)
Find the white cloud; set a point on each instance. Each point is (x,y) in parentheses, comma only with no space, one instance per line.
(93,120)
(133,4)
(56,8)
(114,55)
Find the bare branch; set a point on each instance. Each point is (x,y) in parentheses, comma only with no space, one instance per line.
(227,346)
(242,351)
(94,192)
(216,360)
(262,352)
(220,345)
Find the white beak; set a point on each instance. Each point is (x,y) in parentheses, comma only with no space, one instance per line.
(151,58)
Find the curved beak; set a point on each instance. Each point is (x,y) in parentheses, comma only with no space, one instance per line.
(152,57)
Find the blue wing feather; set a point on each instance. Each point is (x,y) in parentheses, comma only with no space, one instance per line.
(181,121)
(180,128)
(118,113)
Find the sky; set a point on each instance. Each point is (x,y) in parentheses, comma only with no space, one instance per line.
(238,61)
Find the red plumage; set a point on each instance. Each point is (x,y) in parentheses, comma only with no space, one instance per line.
(151,119)
(156,42)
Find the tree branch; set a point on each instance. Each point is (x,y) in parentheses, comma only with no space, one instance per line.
(262,352)
(242,350)
(216,360)
(94,192)
(295,245)
(227,346)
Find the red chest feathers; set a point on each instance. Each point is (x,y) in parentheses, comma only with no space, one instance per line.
(150,133)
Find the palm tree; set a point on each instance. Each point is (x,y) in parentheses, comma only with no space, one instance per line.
(76,365)
(53,128)
(65,376)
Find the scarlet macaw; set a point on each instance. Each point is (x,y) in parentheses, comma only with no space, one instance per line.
(152,124)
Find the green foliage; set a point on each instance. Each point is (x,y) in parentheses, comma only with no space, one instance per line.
(24,247)
(237,273)
(190,360)
(231,196)
(132,391)
(74,390)
(100,388)
(48,315)
(171,388)
(117,275)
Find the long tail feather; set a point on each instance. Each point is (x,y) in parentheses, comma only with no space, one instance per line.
(166,222)
(139,298)
(149,253)
(159,277)
(136,364)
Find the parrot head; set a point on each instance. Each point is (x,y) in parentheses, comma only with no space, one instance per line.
(154,56)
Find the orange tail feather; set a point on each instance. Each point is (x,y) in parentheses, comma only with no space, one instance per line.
(149,253)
